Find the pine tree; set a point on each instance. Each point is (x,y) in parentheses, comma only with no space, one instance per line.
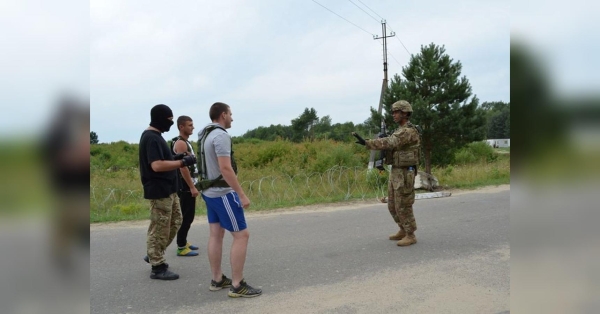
(442,103)
(93,138)
(302,126)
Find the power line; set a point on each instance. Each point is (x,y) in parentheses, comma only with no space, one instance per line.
(401,42)
(381,44)
(382,19)
(343,18)
(370,9)
(395,59)
(364,11)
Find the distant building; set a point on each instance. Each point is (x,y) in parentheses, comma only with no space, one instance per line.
(504,142)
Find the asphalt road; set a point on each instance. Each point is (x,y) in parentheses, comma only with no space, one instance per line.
(329,259)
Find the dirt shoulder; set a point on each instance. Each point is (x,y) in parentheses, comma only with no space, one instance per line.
(296,209)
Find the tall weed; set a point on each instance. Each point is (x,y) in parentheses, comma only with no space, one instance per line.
(278,174)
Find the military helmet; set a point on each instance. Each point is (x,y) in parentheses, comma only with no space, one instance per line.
(402,105)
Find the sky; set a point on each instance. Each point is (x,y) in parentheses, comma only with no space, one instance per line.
(271,59)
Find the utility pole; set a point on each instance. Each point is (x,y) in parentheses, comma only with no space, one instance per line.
(385,80)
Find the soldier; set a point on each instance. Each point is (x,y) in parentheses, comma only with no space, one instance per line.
(159,179)
(402,152)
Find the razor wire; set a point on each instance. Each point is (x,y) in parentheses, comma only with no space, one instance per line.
(338,183)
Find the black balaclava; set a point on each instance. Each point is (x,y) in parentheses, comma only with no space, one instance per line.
(159,117)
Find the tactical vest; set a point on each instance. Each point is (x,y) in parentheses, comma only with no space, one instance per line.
(407,155)
(190,150)
(204,183)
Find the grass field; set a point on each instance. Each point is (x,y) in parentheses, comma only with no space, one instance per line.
(283,174)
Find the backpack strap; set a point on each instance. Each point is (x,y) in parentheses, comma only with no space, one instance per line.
(203,182)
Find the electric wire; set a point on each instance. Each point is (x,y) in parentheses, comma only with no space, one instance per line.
(371,9)
(382,19)
(344,18)
(400,41)
(367,13)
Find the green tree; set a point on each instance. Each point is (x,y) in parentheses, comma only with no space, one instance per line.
(323,127)
(497,125)
(303,125)
(442,103)
(269,133)
(498,119)
(93,138)
(342,132)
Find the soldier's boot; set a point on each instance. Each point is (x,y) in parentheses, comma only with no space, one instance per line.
(409,239)
(163,273)
(398,235)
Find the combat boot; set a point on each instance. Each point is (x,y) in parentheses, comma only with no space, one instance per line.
(407,240)
(398,235)
(163,273)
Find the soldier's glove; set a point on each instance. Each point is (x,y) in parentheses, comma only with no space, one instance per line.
(382,135)
(180,156)
(360,140)
(188,160)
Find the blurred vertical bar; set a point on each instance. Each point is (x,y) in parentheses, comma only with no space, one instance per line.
(555,240)
(44,157)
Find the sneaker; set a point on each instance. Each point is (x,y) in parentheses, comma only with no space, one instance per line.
(224,283)
(244,291)
(186,252)
(163,273)
(192,247)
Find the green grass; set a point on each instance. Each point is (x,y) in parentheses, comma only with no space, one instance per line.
(475,175)
(282,174)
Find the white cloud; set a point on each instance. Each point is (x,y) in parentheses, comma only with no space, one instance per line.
(272,59)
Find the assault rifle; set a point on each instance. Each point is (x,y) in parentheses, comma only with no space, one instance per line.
(379,163)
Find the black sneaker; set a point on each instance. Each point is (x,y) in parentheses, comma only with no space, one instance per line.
(161,272)
(244,291)
(224,283)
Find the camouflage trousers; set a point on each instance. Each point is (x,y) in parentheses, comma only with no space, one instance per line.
(401,197)
(165,220)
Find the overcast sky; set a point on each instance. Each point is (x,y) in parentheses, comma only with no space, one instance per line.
(271,59)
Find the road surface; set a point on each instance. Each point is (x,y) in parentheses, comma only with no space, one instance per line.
(325,259)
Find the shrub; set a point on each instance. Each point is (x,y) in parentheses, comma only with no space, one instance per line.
(475,152)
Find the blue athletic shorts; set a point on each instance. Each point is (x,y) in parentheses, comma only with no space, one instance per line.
(226,210)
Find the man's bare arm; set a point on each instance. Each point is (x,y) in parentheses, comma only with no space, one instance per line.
(181,147)
(166,165)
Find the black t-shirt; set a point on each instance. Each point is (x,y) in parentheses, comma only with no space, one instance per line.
(157,185)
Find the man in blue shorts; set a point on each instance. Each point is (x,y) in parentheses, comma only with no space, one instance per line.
(225,202)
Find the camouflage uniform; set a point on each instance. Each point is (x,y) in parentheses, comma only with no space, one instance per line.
(165,220)
(402,153)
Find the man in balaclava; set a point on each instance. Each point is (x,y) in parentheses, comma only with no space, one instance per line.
(158,171)
(161,118)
